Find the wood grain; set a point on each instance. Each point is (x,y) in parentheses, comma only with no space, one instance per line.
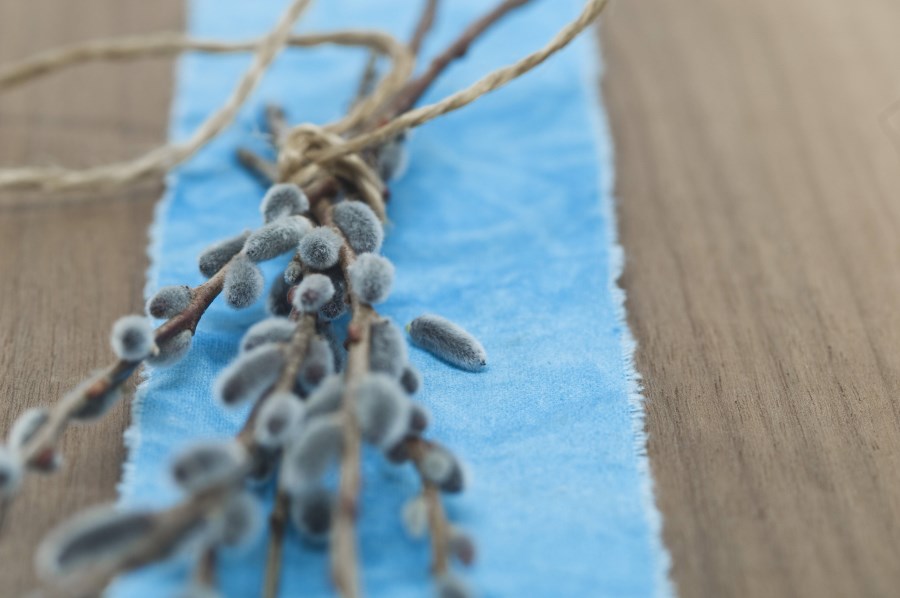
(67,273)
(760,212)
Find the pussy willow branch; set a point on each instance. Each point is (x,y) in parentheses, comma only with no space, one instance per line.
(417,448)
(39,451)
(176,521)
(423,26)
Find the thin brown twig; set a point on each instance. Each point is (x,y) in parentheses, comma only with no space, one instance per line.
(423,26)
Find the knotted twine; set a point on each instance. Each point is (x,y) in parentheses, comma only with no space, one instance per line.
(308,151)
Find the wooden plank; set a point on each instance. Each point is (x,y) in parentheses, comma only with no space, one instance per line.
(760,216)
(68,272)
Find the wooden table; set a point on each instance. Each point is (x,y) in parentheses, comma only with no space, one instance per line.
(758,181)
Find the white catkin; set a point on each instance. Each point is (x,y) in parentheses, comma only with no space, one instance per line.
(276,238)
(206,464)
(270,330)
(132,338)
(279,419)
(293,273)
(214,257)
(26,426)
(243,283)
(415,517)
(250,375)
(169,301)
(442,338)
(382,409)
(283,199)
(313,292)
(306,459)
(311,513)
(317,365)
(90,538)
(371,277)
(326,398)
(172,350)
(320,248)
(387,349)
(10,472)
(360,225)
(441,467)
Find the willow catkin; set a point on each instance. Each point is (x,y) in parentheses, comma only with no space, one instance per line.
(132,338)
(360,226)
(283,199)
(447,340)
(169,301)
(206,464)
(172,350)
(213,258)
(320,248)
(371,277)
(249,375)
(270,330)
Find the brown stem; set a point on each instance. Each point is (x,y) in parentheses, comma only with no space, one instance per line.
(277,123)
(439,529)
(265,170)
(205,572)
(414,90)
(39,451)
(274,554)
(423,26)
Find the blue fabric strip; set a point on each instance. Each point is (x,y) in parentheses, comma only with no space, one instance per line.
(502,224)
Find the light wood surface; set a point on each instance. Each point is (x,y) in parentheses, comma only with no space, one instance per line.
(67,273)
(760,212)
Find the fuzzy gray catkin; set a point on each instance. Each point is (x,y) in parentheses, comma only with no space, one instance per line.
(10,472)
(311,512)
(250,375)
(317,365)
(442,468)
(451,586)
(283,199)
(320,248)
(335,307)
(198,590)
(278,237)
(132,338)
(279,419)
(97,405)
(461,546)
(214,257)
(277,303)
(26,426)
(90,538)
(387,349)
(306,459)
(243,283)
(270,330)
(206,464)
(382,409)
(326,398)
(418,418)
(241,521)
(169,301)
(415,517)
(371,277)
(442,338)
(313,292)
(360,226)
(172,350)
(411,379)
(293,272)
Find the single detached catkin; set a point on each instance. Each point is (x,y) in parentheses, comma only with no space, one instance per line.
(442,338)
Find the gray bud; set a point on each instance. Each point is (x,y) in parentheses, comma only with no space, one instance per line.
(337,305)
(360,225)
(326,398)
(371,277)
(169,301)
(320,248)
(207,464)
(277,303)
(314,292)
(270,330)
(250,375)
(451,586)
(415,517)
(172,350)
(442,338)
(132,338)
(387,349)
(240,522)
(317,365)
(293,273)
(306,459)
(442,468)
(411,379)
(90,538)
(276,238)
(279,419)
(312,513)
(284,199)
(243,283)
(214,257)
(382,409)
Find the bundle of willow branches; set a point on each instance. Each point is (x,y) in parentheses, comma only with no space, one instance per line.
(315,398)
